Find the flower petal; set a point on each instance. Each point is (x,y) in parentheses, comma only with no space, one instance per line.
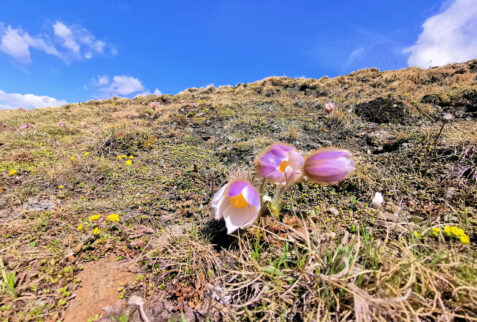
(236,187)
(218,197)
(239,218)
(251,196)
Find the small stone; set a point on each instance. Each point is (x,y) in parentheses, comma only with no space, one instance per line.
(377,201)
(334,211)
(388,216)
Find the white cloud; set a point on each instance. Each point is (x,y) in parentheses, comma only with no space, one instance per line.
(120,85)
(14,100)
(78,41)
(71,42)
(448,37)
(145,93)
(17,43)
(65,33)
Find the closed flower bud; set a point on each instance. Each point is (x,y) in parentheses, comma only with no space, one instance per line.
(328,165)
(329,107)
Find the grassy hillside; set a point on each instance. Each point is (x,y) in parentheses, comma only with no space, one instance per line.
(329,255)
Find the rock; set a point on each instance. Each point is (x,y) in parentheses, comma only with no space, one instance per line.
(377,201)
(388,216)
(34,204)
(334,211)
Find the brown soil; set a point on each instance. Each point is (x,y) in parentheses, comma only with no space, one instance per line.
(99,288)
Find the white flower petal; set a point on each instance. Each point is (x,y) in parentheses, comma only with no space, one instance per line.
(239,218)
(218,197)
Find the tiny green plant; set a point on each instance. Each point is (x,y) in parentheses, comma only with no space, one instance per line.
(7,283)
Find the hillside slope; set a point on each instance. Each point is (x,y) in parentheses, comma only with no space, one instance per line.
(156,161)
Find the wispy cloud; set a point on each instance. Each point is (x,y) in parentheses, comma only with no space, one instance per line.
(355,55)
(17,43)
(120,85)
(15,100)
(77,41)
(448,37)
(68,42)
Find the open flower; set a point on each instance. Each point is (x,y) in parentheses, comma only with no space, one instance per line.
(24,126)
(328,165)
(113,217)
(62,124)
(280,163)
(238,202)
(94,218)
(329,107)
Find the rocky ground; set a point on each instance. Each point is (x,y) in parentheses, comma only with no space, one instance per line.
(156,161)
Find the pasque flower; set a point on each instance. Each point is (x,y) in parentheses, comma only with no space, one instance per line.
(328,165)
(238,202)
(280,163)
(329,107)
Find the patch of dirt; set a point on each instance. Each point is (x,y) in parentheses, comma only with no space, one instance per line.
(383,110)
(463,105)
(99,288)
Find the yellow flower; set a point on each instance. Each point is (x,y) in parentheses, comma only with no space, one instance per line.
(436,231)
(120,157)
(72,158)
(131,157)
(41,143)
(93,218)
(80,227)
(457,232)
(96,231)
(12,172)
(113,217)
(86,154)
(417,234)
(128,162)
(447,230)
(60,187)
(464,239)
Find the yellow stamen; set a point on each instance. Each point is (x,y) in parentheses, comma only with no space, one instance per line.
(283,166)
(238,201)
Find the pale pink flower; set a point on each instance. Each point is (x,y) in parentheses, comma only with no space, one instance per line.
(238,202)
(280,163)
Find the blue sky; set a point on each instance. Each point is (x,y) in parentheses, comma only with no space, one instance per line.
(52,52)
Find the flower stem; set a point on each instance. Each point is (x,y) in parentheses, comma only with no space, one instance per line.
(276,206)
(261,192)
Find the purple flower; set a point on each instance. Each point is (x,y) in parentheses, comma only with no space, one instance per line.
(62,124)
(328,165)
(24,126)
(238,202)
(329,107)
(280,163)
(153,105)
